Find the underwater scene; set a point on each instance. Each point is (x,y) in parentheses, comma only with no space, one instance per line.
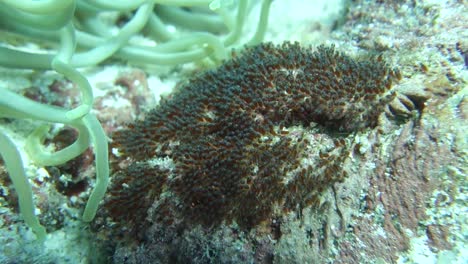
(233,131)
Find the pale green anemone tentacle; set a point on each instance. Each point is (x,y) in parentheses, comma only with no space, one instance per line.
(14,165)
(36,150)
(99,142)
